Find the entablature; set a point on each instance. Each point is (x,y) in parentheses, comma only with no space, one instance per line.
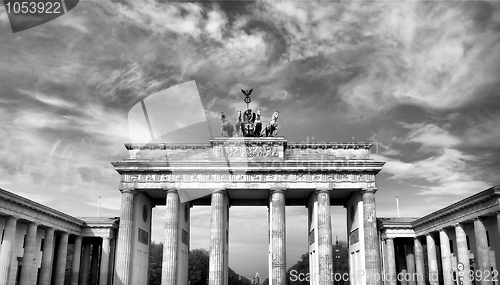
(247,177)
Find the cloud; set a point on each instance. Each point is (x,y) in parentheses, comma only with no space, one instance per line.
(430,136)
(216,24)
(158,17)
(49,100)
(447,171)
(435,55)
(483,132)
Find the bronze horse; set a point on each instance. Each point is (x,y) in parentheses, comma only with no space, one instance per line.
(227,129)
(271,129)
(239,124)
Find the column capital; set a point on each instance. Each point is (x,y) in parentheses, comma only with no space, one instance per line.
(217,190)
(368,190)
(324,189)
(128,190)
(33,223)
(170,190)
(171,185)
(279,187)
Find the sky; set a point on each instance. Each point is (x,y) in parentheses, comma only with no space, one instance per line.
(418,79)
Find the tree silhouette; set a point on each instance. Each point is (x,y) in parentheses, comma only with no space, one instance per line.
(340,264)
(197,271)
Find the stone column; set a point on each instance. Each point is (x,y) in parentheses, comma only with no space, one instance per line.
(419,261)
(217,269)
(62,254)
(432,260)
(498,222)
(47,257)
(112,258)
(104,271)
(171,242)
(324,236)
(372,246)
(277,231)
(463,252)
(85,263)
(410,263)
(391,261)
(75,267)
(446,257)
(94,263)
(401,260)
(27,270)
(8,244)
(483,250)
(123,254)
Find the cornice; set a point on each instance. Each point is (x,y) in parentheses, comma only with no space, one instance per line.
(24,202)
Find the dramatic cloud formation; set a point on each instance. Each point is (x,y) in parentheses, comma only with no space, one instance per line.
(420,79)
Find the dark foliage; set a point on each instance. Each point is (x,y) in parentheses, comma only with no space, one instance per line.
(198,267)
(155,260)
(340,264)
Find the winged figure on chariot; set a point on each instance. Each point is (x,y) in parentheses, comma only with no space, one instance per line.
(248,123)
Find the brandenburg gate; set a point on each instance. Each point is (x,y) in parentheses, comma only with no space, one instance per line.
(249,171)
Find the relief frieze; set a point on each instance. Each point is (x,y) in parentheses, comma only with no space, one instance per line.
(248,151)
(252,177)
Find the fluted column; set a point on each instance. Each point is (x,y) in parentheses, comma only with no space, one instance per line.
(62,254)
(410,263)
(401,260)
(324,237)
(8,244)
(123,254)
(27,271)
(277,229)
(85,263)
(217,269)
(112,251)
(104,270)
(47,257)
(483,251)
(94,263)
(75,267)
(432,260)
(391,261)
(498,222)
(445,257)
(372,246)
(170,243)
(463,252)
(419,261)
